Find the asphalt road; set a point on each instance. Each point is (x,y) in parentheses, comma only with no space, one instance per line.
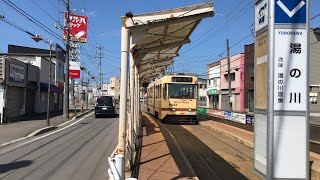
(212,155)
(79,152)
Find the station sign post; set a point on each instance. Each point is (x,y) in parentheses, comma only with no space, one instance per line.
(281,140)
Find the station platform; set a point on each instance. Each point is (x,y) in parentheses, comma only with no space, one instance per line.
(160,158)
(243,136)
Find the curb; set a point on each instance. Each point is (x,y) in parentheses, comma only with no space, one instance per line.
(75,117)
(229,135)
(80,115)
(43,130)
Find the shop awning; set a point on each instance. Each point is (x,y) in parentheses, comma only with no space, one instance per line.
(53,88)
(157,37)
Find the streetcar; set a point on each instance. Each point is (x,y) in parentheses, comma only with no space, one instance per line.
(173,98)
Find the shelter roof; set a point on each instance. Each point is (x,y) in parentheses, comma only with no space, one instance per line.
(158,36)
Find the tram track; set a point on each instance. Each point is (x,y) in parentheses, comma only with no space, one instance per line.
(212,155)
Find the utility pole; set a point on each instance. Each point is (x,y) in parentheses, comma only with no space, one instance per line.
(82,95)
(66,79)
(229,75)
(49,85)
(229,70)
(100,75)
(87,95)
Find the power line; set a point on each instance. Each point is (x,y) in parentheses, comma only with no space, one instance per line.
(32,19)
(46,13)
(233,10)
(235,18)
(2,18)
(315,17)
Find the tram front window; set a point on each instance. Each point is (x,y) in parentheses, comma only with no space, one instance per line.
(181,91)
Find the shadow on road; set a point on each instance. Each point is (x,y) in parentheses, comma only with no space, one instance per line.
(14,165)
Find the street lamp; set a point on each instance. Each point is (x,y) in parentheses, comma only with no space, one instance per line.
(37,38)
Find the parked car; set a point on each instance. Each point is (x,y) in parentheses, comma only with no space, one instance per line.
(105,106)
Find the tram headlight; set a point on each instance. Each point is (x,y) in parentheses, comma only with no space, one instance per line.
(173,109)
(189,109)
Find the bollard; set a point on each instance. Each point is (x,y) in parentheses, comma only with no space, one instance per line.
(119,162)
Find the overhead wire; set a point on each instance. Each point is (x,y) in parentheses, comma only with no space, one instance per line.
(32,19)
(2,18)
(46,13)
(315,17)
(235,18)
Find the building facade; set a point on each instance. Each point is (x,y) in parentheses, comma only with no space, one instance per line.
(249,78)
(115,87)
(314,70)
(213,85)
(18,86)
(105,90)
(202,93)
(237,83)
(40,58)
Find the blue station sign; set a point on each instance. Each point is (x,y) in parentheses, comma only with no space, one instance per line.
(290,12)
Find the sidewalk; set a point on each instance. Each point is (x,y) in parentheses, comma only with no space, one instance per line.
(160,157)
(18,129)
(240,135)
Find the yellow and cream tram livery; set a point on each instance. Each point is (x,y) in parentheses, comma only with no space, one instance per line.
(173,98)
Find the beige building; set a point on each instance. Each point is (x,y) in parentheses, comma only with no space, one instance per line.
(115,87)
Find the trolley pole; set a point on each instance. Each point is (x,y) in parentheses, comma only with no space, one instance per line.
(66,79)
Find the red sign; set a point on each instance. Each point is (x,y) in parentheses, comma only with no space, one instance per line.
(74,73)
(78,28)
(74,69)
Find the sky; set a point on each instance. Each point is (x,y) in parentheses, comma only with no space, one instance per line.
(233,18)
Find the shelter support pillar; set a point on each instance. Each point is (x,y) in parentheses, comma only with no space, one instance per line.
(132,100)
(137,101)
(123,90)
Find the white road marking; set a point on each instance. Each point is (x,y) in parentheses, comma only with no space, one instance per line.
(44,136)
(293,11)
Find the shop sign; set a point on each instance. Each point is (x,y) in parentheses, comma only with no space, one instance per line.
(237,117)
(74,69)
(215,113)
(227,115)
(201,110)
(78,28)
(249,119)
(212,91)
(16,73)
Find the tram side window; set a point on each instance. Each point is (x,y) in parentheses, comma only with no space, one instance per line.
(165,91)
(155,91)
(160,88)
